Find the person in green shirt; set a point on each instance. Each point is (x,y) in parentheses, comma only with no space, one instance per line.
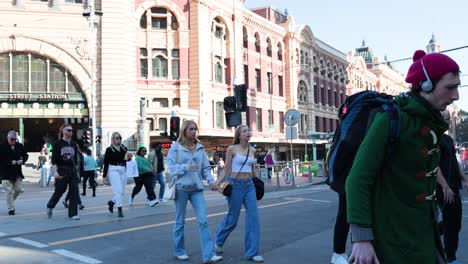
(145,177)
(391,203)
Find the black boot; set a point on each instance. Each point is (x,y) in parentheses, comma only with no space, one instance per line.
(120,212)
(111,206)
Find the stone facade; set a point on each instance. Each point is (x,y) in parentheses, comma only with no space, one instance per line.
(155,59)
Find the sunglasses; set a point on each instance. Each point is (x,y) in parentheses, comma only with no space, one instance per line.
(13,139)
(117,138)
(69,130)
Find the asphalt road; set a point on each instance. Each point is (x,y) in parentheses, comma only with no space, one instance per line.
(296,227)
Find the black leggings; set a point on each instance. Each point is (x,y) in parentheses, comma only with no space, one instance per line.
(341,227)
(145,179)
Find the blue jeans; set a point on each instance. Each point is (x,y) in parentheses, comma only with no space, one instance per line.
(243,192)
(198,203)
(159,177)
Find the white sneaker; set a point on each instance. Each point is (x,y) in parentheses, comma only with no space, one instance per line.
(153,203)
(130,200)
(257,258)
(218,249)
(214,259)
(182,257)
(75,217)
(339,258)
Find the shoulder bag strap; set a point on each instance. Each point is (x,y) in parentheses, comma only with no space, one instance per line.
(246,158)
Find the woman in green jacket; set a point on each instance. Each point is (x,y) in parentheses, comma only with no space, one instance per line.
(145,177)
(391,200)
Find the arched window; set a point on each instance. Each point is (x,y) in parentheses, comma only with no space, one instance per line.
(257,42)
(160,58)
(269,48)
(159,61)
(302,92)
(280,51)
(245,37)
(220,51)
(160,18)
(27,72)
(218,72)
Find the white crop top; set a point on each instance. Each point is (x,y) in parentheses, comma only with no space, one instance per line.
(238,160)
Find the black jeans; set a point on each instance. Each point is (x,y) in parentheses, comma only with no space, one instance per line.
(70,180)
(451,223)
(145,179)
(341,226)
(89,176)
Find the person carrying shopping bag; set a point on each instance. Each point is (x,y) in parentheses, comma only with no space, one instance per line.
(188,164)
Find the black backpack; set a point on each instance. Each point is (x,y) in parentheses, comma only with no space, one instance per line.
(356,115)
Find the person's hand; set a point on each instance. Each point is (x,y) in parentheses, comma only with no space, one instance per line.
(56,176)
(128,155)
(13,162)
(213,187)
(19,162)
(448,194)
(193,167)
(363,253)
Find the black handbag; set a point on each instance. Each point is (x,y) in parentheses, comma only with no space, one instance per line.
(259,187)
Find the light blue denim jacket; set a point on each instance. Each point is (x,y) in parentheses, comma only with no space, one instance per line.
(178,162)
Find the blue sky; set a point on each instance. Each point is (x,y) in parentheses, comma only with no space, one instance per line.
(396,28)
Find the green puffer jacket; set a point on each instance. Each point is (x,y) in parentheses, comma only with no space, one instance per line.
(392,195)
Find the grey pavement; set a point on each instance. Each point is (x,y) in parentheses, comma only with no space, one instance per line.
(296,227)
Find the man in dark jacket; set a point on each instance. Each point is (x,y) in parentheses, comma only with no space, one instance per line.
(12,157)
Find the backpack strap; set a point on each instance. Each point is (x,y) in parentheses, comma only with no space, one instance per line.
(394,128)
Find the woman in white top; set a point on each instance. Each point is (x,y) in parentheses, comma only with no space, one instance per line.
(239,164)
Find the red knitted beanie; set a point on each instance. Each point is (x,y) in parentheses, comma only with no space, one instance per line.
(436,65)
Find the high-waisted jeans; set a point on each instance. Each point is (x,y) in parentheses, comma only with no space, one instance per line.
(243,193)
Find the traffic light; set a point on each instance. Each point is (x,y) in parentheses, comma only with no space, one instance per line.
(98,140)
(240,92)
(87,137)
(174,128)
(229,104)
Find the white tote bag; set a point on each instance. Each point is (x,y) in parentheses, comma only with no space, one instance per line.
(132,169)
(169,193)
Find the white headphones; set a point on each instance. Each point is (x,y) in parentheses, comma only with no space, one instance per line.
(426,86)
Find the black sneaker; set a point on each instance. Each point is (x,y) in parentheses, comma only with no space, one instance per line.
(65,204)
(81,207)
(111,206)
(11,212)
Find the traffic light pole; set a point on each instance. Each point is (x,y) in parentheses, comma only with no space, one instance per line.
(92,55)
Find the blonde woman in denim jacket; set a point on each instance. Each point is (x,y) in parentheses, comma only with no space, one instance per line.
(188,164)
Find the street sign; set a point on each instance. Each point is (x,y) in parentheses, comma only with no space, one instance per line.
(291,132)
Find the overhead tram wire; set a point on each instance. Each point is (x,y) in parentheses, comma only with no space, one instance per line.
(410,58)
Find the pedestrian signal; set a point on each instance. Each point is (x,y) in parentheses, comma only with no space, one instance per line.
(174,128)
